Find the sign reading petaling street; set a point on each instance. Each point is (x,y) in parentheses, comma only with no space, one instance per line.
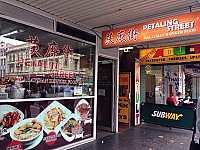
(176,54)
(186,24)
(50,63)
(39,60)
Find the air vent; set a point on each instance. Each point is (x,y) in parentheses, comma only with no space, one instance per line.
(25,15)
(63,28)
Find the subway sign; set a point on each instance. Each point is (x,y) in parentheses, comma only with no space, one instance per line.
(188,53)
(166,115)
(174,116)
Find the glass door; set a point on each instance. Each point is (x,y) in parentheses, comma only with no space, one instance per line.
(106,91)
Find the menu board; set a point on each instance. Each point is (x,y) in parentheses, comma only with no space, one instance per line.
(52,124)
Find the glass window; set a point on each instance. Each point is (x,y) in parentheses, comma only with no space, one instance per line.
(43,62)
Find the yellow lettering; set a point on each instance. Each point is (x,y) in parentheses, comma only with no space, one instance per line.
(168,115)
(177,116)
(173,117)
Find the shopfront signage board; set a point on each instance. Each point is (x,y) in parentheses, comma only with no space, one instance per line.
(177,54)
(182,25)
(174,116)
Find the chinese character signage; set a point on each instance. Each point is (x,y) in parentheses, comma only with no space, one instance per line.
(48,59)
(189,53)
(57,124)
(176,26)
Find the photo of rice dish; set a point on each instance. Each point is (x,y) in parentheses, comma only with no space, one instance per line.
(10,119)
(28,130)
(72,127)
(53,117)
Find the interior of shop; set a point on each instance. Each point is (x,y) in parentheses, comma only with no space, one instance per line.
(161,80)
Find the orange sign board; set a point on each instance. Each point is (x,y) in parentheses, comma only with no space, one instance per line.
(176,26)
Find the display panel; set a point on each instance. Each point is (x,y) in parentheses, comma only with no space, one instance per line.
(58,124)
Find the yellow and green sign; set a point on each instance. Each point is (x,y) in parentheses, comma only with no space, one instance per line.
(189,53)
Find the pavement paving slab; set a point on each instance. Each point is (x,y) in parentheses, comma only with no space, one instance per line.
(143,137)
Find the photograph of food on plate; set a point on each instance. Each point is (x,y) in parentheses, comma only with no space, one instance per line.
(83,109)
(9,116)
(53,116)
(29,132)
(72,128)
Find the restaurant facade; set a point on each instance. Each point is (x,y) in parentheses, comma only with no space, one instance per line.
(161,67)
(49,94)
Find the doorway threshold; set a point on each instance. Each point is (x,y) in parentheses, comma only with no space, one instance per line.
(103,133)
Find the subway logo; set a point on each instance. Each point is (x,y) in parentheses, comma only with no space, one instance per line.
(166,115)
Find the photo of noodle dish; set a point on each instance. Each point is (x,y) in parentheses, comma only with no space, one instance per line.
(82,109)
(27,131)
(53,116)
(9,116)
(72,128)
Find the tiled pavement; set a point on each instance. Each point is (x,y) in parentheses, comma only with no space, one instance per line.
(143,137)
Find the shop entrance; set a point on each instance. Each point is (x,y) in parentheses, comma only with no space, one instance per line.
(106,99)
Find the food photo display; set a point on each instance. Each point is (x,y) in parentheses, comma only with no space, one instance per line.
(53,127)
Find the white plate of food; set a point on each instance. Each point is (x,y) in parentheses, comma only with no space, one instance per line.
(9,116)
(82,109)
(53,116)
(27,131)
(72,128)
(35,143)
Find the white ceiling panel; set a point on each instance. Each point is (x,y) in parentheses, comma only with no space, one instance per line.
(95,13)
(100,14)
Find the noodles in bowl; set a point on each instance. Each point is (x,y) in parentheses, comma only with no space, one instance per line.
(27,130)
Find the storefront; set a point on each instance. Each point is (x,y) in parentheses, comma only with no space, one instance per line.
(47,88)
(145,35)
(174,73)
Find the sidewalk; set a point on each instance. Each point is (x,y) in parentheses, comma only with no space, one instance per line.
(143,137)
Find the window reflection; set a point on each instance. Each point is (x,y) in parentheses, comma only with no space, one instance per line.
(40,61)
